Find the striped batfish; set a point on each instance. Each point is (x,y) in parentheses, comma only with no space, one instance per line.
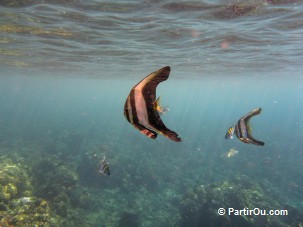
(243,130)
(140,108)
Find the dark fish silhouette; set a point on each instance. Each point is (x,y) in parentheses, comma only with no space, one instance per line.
(243,130)
(140,106)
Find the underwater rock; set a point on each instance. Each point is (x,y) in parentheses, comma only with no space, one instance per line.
(199,207)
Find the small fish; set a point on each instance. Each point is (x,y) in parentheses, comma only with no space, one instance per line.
(139,108)
(232,152)
(104,167)
(159,108)
(242,129)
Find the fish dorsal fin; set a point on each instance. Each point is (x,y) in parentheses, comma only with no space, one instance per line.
(148,84)
(246,119)
(252,113)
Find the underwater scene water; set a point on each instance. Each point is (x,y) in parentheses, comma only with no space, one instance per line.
(67,69)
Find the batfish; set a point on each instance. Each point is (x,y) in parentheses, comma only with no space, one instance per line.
(139,108)
(243,130)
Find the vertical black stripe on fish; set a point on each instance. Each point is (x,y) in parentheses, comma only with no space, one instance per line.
(132,101)
(106,170)
(134,117)
(243,128)
(245,136)
(238,130)
(105,167)
(127,109)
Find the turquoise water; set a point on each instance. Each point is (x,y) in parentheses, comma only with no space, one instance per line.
(66,71)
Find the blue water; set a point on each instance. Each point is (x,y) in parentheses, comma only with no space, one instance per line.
(66,71)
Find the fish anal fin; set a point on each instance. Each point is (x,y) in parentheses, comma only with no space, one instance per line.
(251,140)
(149,133)
(171,135)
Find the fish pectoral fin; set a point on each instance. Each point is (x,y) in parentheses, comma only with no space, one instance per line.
(157,105)
(157,102)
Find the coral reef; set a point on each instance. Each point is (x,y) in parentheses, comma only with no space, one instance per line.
(14,181)
(17,205)
(129,219)
(54,182)
(30,211)
(199,207)
(65,188)
(84,199)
